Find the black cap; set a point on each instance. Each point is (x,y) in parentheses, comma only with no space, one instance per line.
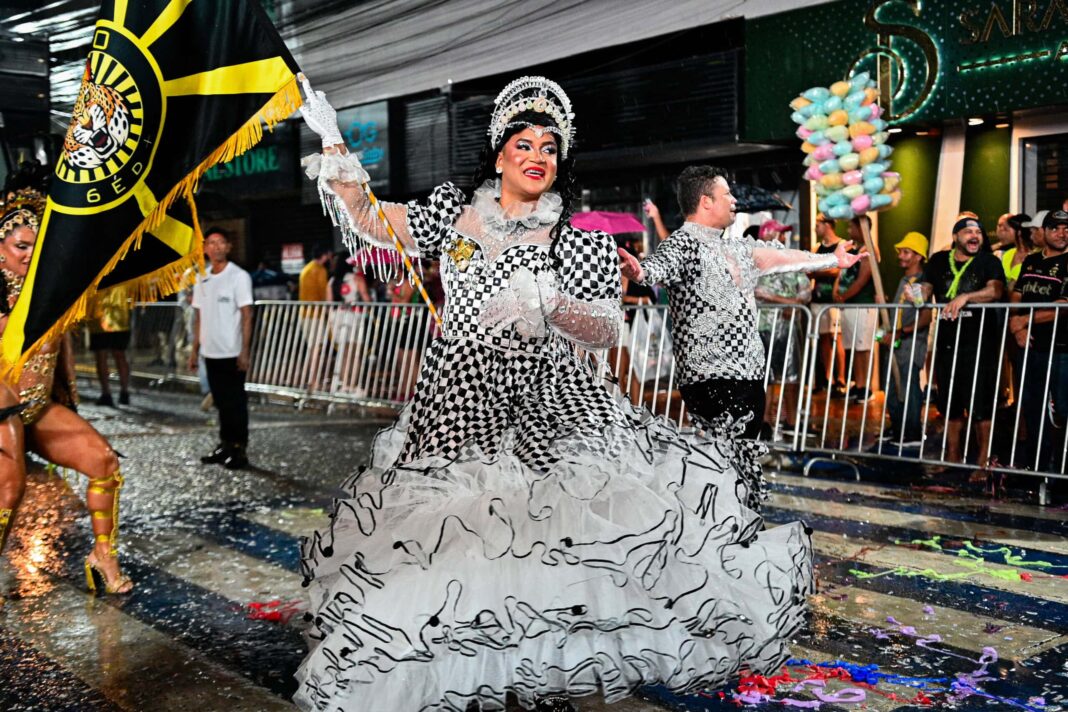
(1057,217)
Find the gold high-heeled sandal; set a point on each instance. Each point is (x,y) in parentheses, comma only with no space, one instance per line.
(122,584)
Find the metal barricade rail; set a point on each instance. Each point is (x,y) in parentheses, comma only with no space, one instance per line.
(371,354)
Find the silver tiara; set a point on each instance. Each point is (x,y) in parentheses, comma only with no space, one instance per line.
(533,94)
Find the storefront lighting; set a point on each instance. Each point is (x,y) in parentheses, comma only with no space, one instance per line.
(923,133)
(1001,126)
(895,130)
(975,121)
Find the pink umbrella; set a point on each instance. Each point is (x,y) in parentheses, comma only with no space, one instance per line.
(612,223)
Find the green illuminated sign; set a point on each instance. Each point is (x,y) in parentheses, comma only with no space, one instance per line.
(934,60)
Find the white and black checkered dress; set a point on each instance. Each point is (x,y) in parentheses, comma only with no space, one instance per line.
(522,529)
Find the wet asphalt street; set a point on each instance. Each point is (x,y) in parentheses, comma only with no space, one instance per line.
(925,598)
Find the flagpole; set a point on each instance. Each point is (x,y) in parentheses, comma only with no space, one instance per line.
(399,247)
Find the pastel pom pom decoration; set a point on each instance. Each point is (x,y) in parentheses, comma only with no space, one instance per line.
(880,200)
(837,118)
(852,178)
(816,94)
(849,162)
(853,191)
(844,137)
(822,153)
(837,133)
(869,155)
(860,204)
(861,142)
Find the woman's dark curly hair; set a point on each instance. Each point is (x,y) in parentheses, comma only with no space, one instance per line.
(564,186)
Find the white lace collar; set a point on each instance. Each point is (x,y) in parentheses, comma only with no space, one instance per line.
(521,217)
(703,233)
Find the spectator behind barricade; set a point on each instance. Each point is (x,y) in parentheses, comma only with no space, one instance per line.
(1015,240)
(658,222)
(313,322)
(855,286)
(1042,281)
(781,331)
(1038,233)
(831,351)
(109,333)
(968,340)
(348,287)
(908,342)
(268,284)
(315,275)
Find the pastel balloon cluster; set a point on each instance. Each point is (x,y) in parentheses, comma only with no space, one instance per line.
(844,138)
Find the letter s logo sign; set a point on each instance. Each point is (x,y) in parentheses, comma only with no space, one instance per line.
(891,65)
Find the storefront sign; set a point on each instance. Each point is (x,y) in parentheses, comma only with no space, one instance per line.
(933,60)
(269,167)
(366,133)
(292,257)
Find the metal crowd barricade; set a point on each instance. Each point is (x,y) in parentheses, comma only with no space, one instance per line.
(364,353)
(1000,391)
(372,353)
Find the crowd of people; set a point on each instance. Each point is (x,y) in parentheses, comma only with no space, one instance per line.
(980,364)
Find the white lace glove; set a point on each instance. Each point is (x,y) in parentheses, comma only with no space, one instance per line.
(319,115)
(520,303)
(534,305)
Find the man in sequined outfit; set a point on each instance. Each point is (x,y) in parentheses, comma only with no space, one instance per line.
(710,278)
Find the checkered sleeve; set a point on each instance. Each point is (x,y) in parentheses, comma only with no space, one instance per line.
(586,309)
(667,264)
(429,221)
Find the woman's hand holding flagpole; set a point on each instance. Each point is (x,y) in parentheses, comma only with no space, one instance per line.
(322,118)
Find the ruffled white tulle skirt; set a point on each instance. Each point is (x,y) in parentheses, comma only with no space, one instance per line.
(630,562)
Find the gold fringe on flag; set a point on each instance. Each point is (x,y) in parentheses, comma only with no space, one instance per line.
(168,279)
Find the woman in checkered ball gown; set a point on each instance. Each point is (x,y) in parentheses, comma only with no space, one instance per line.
(522,532)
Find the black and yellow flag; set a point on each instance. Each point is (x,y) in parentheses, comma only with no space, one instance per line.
(171,87)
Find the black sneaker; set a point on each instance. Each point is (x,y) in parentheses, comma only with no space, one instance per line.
(105,399)
(124,398)
(216,456)
(237,460)
(839,390)
(859,395)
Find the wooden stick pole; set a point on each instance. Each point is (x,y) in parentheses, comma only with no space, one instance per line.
(399,247)
(884,316)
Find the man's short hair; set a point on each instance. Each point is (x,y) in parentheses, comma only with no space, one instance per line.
(221,232)
(857,218)
(693,182)
(320,249)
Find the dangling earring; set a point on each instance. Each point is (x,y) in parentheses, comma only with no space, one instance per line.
(499,171)
(3,259)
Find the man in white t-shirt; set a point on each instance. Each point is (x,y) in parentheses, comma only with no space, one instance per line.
(222,333)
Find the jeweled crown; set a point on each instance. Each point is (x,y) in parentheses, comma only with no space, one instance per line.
(20,207)
(533,94)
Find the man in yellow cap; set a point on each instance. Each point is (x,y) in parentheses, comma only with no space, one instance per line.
(908,342)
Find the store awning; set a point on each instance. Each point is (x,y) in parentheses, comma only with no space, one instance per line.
(377,50)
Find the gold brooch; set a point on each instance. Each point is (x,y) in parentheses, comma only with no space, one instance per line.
(461,250)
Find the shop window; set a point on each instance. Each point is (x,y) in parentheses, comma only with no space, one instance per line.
(1045,173)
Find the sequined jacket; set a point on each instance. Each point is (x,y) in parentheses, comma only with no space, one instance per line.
(710,280)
